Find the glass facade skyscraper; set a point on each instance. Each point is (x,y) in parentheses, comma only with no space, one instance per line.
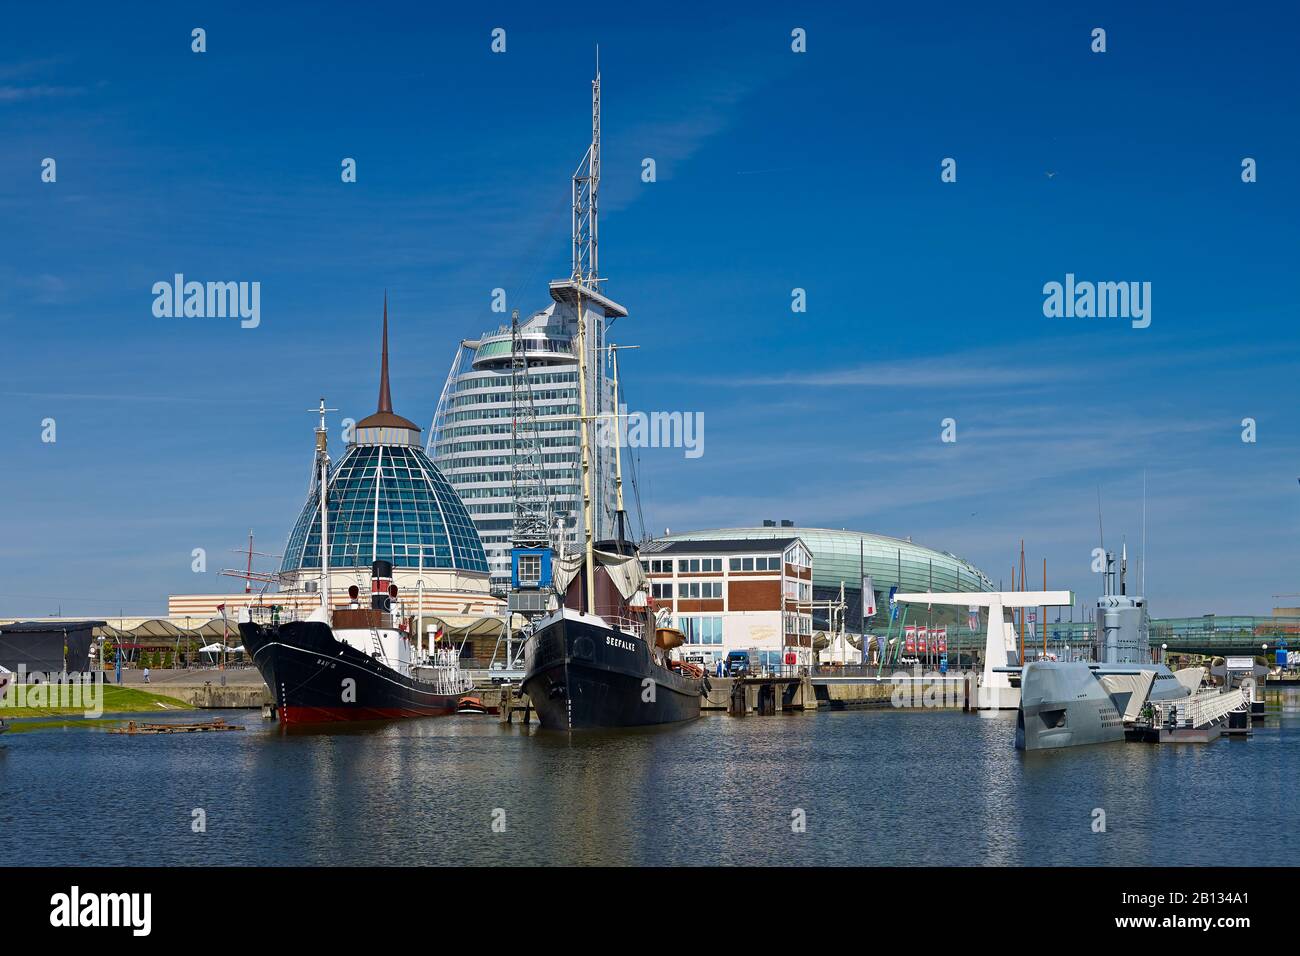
(471,439)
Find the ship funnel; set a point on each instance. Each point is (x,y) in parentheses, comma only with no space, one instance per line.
(381,586)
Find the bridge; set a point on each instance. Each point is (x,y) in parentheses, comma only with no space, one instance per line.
(1211,635)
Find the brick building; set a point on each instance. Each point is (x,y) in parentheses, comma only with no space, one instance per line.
(736,594)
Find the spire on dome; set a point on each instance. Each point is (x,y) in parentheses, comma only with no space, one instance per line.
(385,397)
(384,416)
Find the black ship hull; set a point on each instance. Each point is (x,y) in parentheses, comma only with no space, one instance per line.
(308,670)
(583,675)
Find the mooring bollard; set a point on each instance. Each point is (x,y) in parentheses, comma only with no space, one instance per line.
(736,707)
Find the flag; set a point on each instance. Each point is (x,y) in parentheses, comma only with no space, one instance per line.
(909,638)
(941,635)
(868,600)
(921,635)
(880,645)
(973,617)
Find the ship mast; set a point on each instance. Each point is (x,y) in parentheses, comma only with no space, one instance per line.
(584,421)
(618,445)
(323,471)
(586,277)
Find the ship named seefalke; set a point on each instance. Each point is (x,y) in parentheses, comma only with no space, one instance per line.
(607,670)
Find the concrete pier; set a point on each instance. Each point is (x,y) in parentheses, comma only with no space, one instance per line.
(739,696)
(759,695)
(904,692)
(210,696)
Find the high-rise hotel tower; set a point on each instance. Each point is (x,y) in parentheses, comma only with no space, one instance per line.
(473,439)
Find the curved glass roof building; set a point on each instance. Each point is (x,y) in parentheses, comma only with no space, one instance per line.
(844,556)
(387,502)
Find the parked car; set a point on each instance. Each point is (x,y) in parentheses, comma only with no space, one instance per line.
(738,663)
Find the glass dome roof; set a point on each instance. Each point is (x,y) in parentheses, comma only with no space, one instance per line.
(387,503)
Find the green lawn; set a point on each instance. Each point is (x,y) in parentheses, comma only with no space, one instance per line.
(117,700)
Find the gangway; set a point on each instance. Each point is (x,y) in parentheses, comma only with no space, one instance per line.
(1200,710)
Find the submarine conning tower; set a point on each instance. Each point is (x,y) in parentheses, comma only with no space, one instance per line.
(1122,636)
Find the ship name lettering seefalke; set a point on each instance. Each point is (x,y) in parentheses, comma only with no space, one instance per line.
(619,642)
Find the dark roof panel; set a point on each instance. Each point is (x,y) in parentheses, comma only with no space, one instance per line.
(720,546)
(21,627)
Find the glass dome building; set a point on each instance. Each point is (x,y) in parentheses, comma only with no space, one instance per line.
(388,502)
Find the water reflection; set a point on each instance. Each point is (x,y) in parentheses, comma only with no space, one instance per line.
(868,787)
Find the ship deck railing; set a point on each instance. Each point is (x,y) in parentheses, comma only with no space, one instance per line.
(1199,710)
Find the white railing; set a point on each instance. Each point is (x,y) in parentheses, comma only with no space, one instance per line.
(627,625)
(447,677)
(1199,710)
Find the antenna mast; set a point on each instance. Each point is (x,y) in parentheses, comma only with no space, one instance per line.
(1100,531)
(1142,577)
(586,192)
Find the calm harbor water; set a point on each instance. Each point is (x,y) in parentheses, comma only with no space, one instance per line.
(875,788)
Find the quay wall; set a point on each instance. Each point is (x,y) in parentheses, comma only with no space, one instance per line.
(216,697)
(946,693)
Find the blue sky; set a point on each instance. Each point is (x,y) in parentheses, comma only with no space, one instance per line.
(776,170)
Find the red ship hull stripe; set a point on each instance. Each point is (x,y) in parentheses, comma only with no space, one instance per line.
(323,715)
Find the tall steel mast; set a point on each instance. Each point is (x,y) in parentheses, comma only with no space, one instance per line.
(323,479)
(586,277)
(586,194)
